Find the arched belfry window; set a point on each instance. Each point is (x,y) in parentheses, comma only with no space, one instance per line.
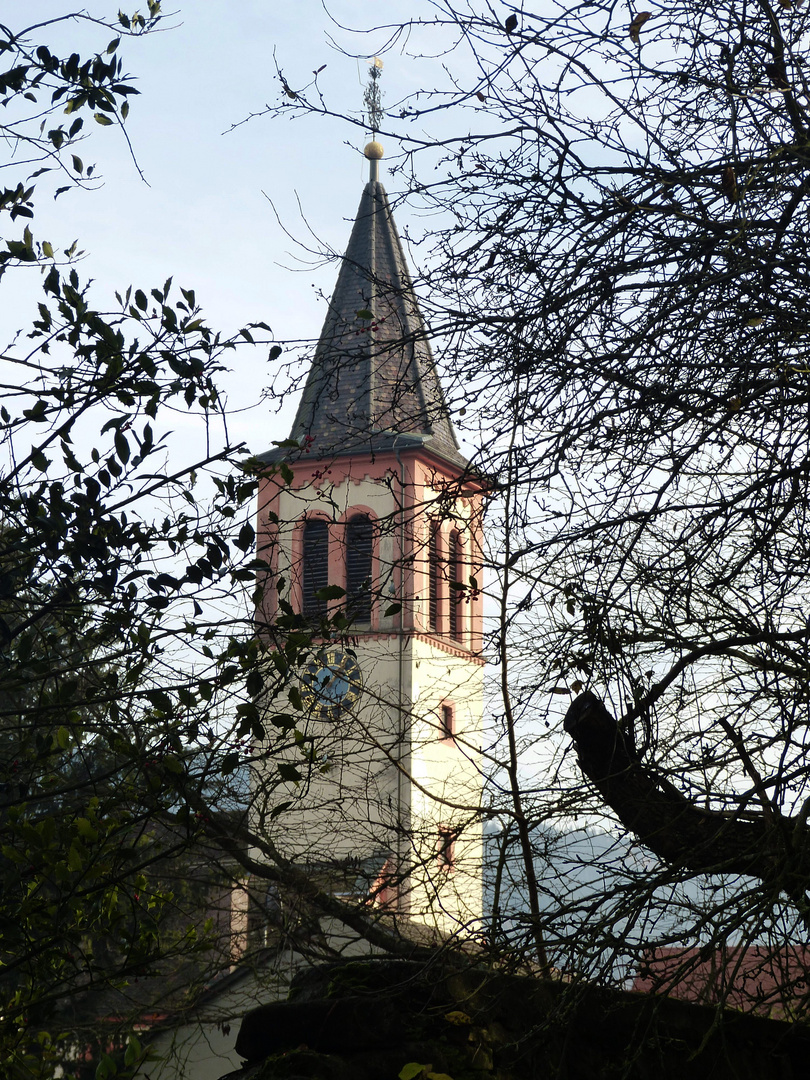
(434,574)
(315,565)
(455,576)
(359,546)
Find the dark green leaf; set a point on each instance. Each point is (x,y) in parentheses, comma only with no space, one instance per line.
(288,771)
(121,446)
(160,700)
(246,538)
(254,684)
(37,412)
(330,592)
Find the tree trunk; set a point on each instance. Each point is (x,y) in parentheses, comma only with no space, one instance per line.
(680,833)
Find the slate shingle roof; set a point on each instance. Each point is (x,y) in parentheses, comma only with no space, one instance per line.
(373,383)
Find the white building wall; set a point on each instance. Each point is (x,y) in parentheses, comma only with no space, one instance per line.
(382,779)
(446,785)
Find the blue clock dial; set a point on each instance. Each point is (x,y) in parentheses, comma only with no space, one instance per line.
(331,682)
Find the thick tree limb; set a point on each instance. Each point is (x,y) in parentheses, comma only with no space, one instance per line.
(776,850)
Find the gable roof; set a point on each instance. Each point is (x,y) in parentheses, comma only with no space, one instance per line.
(373,385)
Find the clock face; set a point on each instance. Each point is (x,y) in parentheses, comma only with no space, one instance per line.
(331,682)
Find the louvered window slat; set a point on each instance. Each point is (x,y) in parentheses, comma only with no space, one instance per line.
(434,573)
(454,569)
(315,570)
(359,545)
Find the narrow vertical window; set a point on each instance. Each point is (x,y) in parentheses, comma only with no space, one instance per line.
(359,544)
(315,566)
(454,572)
(448,722)
(434,574)
(445,852)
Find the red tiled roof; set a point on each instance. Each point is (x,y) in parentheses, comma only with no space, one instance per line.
(758,979)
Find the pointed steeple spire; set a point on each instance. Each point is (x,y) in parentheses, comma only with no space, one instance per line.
(373,384)
(373,379)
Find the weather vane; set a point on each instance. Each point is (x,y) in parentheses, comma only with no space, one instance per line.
(372,99)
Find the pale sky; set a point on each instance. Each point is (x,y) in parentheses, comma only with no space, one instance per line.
(203,217)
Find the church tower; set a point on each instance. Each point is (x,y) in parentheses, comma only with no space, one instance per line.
(373,526)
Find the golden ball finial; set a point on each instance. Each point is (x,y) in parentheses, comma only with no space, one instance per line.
(373,151)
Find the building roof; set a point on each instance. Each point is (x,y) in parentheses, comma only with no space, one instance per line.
(766,980)
(372,385)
